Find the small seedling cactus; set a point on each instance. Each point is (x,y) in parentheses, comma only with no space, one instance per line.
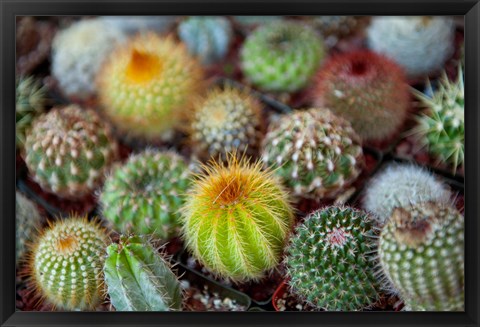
(146,86)
(330,260)
(66,264)
(237,219)
(315,153)
(140,279)
(208,38)
(421,252)
(68,151)
(367,89)
(281,56)
(144,194)
(400,186)
(27,222)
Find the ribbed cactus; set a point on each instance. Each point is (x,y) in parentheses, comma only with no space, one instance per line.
(315,153)
(421,45)
(139,279)
(31,99)
(330,260)
(367,89)
(146,86)
(68,151)
(224,121)
(27,222)
(421,251)
(144,194)
(281,56)
(140,24)
(66,264)
(400,185)
(237,219)
(208,38)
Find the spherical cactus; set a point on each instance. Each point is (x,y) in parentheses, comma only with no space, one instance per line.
(31,99)
(208,38)
(146,86)
(139,279)
(66,264)
(399,186)
(140,24)
(144,194)
(281,56)
(330,260)
(421,45)
(68,151)
(78,53)
(421,251)
(367,89)
(441,127)
(225,121)
(315,153)
(237,219)
(28,220)
(336,26)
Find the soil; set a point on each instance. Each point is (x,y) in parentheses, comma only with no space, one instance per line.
(200,298)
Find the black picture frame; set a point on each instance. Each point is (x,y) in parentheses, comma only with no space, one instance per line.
(10,8)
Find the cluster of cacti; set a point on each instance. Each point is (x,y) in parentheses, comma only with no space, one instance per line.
(144,194)
(27,222)
(66,264)
(420,44)
(316,153)
(224,121)
(421,251)
(236,219)
(281,56)
(365,88)
(336,26)
(78,53)
(146,86)
(331,260)
(140,279)
(68,151)
(132,25)
(207,38)
(31,99)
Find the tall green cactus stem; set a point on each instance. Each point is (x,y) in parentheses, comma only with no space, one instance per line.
(66,264)
(68,151)
(144,195)
(28,220)
(315,153)
(139,279)
(421,251)
(281,56)
(331,261)
(237,219)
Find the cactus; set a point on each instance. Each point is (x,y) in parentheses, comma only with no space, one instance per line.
(421,45)
(336,26)
(139,279)
(441,127)
(27,222)
(78,53)
(421,252)
(132,25)
(367,89)
(399,186)
(315,153)
(330,260)
(31,99)
(66,264)
(144,194)
(208,38)
(281,56)
(250,22)
(225,121)
(147,85)
(68,151)
(236,219)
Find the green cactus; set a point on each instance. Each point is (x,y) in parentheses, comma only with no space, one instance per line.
(68,151)
(237,219)
(144,195)
(281,56)
(330,260)
(421,252)
(28,220)
(66,264)
(139,279)
(315,153)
